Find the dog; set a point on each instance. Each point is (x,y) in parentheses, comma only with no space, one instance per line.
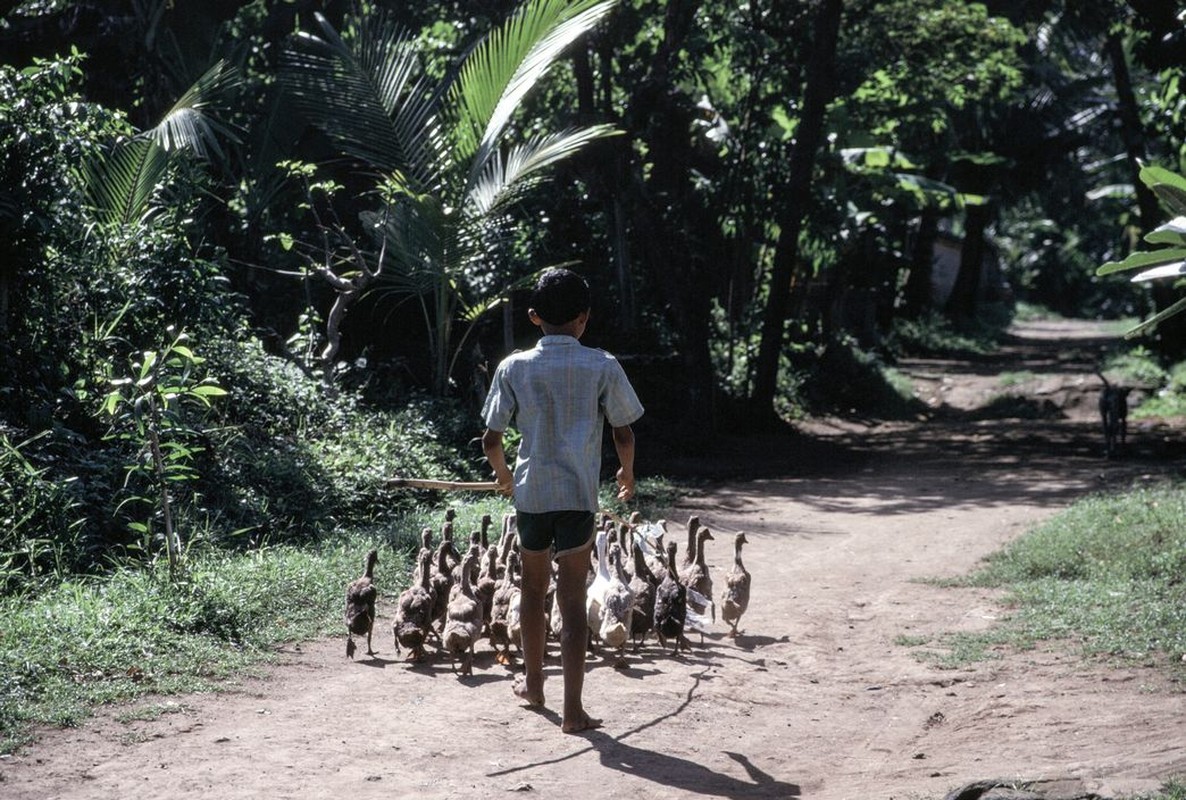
(1113,415)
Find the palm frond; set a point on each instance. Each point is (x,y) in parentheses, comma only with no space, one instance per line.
(370,95)
(414,238)
(509,62)
(504,180)
(119,186)
(189,124)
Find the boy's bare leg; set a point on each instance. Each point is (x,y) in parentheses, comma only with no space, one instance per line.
(574,638)
(537,573)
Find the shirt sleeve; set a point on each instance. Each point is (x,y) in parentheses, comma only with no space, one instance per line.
(499,408)
(619,401)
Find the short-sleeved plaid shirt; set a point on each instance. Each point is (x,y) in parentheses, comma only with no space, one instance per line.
(560,394)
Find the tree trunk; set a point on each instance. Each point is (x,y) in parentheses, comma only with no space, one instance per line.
(917,292)
(961,305)
(819,91)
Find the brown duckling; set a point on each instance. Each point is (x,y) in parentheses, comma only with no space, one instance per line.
(735,598)
(360,605)
(463,621)
(643,585)
(698,580)
(413,612)
(671,606)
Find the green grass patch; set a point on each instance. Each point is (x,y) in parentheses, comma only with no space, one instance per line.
(1008,380)
(1104,575)
(1173,789)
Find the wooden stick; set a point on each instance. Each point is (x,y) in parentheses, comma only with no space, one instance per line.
(447,486)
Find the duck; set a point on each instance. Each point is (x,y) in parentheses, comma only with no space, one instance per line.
(651,538)
(643,585)
(360,605)
(506,543)
(484,531)
(463,621)
(413,611)
(690,550)
(441,581)
(735,597)
(476,551)
(486,585)
(447,536)
(671,606)
(617,607)
(595,591)
(698,580)
(506,594)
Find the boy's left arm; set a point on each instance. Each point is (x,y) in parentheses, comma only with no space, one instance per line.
(624,445)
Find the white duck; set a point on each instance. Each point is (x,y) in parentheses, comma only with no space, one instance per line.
(617,607)
(595,592)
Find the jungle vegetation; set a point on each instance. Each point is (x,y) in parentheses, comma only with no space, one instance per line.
(255,257)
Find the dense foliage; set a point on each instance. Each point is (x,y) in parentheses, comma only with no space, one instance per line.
(257,256)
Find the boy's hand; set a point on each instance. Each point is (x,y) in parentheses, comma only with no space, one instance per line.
(625,484)
(506,483)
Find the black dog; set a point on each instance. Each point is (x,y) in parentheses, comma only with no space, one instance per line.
(1114,415)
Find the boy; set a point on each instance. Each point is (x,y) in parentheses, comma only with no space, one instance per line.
(560,393)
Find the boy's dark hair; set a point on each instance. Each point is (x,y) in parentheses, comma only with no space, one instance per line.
(560,296)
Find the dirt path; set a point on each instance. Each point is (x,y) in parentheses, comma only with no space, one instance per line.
(816,700)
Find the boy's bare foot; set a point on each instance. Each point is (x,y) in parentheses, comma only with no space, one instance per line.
(583,723)
(519,687)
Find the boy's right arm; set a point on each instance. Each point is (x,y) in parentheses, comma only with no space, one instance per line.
(496,455)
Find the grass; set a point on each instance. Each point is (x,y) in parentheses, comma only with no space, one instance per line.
(1103,576)
(73,646)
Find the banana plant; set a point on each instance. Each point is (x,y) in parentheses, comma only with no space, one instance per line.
(1168,262)
(450,168)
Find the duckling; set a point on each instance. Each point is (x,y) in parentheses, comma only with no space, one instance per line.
(696,577)
(463,621)
(413,612)
(595,591)
(735,598)
(671,606)
(360,605)
(506,594)
(617,607)
(643,585)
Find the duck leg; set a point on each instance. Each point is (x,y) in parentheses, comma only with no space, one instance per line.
(350,647)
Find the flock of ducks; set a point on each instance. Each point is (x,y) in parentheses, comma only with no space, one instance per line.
(455,600)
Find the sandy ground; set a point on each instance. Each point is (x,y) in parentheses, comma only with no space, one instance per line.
(821,697)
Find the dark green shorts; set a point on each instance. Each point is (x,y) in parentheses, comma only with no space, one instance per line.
(566,531)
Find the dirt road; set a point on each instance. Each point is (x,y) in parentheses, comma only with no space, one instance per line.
(819,698)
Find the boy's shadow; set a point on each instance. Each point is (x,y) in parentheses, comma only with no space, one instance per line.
(678,773)
(686,775)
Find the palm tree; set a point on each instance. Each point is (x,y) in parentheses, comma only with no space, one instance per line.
(448,174)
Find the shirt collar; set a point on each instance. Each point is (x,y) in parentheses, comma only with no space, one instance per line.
(551,340)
